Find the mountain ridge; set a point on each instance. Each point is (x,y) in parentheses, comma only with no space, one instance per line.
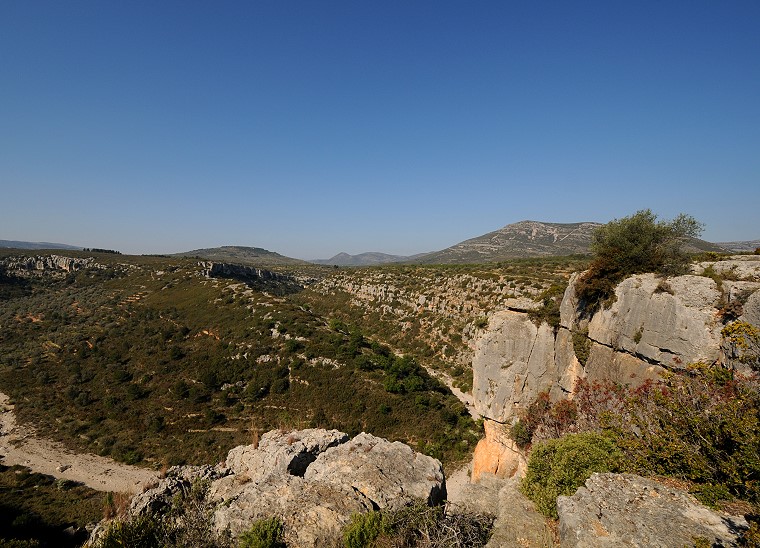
(241,254)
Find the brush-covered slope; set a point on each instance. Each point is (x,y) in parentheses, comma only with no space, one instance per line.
(149,359)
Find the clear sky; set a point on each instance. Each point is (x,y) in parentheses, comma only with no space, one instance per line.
(313,127)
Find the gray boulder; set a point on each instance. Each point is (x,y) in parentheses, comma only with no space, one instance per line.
(281,452)
(628,510)
(389,474)
(312,513)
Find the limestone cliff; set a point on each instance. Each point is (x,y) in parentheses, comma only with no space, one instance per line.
(652,325)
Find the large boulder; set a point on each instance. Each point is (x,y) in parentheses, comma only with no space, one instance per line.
(312,513)
(388,474)
(628,510)
(313,480)
(281,452)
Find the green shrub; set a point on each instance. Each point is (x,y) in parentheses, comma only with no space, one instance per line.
(141,532)
(558,467)
(364,529)
(418,525)
(581,346)
(632,245)
(264,533)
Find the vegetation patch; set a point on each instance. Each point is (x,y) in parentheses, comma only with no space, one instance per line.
(559,466)
(418,525)
(633,245)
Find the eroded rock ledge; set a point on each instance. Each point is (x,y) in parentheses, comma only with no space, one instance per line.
(653,325)
(314,480)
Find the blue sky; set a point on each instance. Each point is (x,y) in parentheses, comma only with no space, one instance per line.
(310,128)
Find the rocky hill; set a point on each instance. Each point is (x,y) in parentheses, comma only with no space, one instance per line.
(255,256)
(743,247)
(518,240)
(362,259)
(16,244)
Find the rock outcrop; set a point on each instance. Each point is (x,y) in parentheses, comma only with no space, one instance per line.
(46,264)
(388,474)
(628,510)
(651,326)
(257,278)
(314,480)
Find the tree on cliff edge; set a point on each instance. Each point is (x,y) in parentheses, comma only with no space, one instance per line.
(634,245)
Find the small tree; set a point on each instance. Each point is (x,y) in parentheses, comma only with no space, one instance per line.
(632,245)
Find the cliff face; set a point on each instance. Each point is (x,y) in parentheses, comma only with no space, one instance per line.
(653,325)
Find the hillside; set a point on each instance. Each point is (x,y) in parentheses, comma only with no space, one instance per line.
(243,255)
(519,240)
(362,259)
(35,245)
(149,359)
(530,239)
(743,247)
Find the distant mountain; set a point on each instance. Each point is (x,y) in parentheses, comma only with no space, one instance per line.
(35,245)
(363,259)
(241,255)
(530,239)
(750,245)
(519,240)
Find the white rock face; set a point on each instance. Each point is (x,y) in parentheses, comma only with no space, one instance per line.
(669,329)
(652,326)
(314,480)
(312,513)
(513,359)
(282,452)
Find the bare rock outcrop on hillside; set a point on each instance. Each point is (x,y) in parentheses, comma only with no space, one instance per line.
(257,278)
(313,480)
(45,264)
(651,326)
(628,510)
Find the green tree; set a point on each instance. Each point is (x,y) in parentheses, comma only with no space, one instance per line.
(633,245)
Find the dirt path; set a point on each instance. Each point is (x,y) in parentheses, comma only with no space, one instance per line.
(18,445)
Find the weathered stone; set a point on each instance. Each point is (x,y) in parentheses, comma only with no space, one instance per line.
(518,523)
(496,454)
(628,510)
(751,309)
(388,474)
(567,364)
(738,267)
(670,322)
(281,452)
(179,479)
(513,363)
(605,364)
(313,513)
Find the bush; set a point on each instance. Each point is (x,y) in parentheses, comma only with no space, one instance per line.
(141,532)
(418,525)
(558,467)
(634,245)
(364,529)
(264,533)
